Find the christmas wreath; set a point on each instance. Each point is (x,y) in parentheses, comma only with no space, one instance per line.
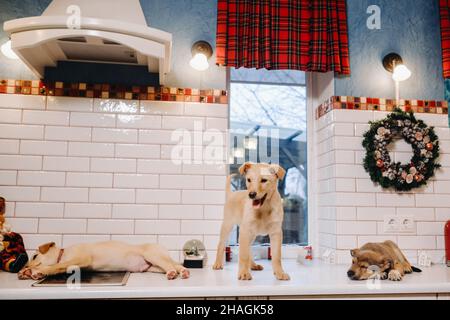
(424,143)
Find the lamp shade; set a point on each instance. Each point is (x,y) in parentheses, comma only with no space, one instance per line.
(199,62)
(401,73)
(201,52)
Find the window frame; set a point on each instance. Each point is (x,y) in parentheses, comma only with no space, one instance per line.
(291,249)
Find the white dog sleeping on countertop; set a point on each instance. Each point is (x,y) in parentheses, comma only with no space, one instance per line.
(102,256)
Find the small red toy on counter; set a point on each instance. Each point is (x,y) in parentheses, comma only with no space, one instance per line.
(228,254)
(447,242)
(308,255)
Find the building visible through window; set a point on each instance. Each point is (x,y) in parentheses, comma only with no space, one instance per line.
(268,124)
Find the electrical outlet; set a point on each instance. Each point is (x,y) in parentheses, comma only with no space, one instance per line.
(390,224)
(407,224)
(399,224)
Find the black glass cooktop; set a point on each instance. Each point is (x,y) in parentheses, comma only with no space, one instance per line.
(85,279)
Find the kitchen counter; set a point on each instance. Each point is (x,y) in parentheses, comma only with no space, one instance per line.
(314,280)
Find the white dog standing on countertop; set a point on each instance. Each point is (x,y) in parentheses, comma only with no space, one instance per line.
(258,211)
(102,256)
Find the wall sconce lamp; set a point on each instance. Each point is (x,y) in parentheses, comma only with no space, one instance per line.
(7,51)
(394,64)
(201,52)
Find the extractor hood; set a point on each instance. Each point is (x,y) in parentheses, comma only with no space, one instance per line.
(90,31)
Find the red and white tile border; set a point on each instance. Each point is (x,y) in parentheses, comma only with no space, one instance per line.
(109,91)
(381,104)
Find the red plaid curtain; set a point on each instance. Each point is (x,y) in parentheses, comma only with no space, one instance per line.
(444,6)
(308,35)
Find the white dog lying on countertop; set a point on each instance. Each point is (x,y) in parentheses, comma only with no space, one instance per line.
(102,256)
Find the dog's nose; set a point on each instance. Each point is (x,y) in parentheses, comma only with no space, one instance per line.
(350,273)
(252,195)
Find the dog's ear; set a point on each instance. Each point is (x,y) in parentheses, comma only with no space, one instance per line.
(45,247)
(354,253)
(243,169)
(277,170)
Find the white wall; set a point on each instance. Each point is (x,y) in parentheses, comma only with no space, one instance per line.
(79,170)
(351,208)
(319,86)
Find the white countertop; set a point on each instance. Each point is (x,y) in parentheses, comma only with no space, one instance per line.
(315,279)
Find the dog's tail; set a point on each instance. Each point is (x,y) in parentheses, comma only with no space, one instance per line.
(414,269)
(228,186)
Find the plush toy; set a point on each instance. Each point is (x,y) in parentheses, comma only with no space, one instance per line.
(13,256)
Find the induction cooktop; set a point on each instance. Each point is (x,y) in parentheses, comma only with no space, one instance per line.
(86,279)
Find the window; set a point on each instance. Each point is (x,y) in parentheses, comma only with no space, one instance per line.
(268,124)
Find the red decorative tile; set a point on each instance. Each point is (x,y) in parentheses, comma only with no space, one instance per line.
(165,90)
(26,90)
(107,91)
(378,104)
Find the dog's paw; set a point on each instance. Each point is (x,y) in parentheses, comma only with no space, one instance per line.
(282,276)
(383,276)
(24,274)
(257,267)
(37,275)
(217,266)
(244,275)
(172,274)
(394,275)
(408,268)
(185,273)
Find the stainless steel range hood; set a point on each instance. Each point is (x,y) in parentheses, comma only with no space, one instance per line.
(98,31)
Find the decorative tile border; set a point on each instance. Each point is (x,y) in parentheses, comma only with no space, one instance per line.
(106,91)
(380,104)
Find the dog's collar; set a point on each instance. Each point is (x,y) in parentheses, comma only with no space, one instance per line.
(61,252)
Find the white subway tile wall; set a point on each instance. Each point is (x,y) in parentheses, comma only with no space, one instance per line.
(79,170)
(351,208)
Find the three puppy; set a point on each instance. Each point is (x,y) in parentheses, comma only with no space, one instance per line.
(257,210)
